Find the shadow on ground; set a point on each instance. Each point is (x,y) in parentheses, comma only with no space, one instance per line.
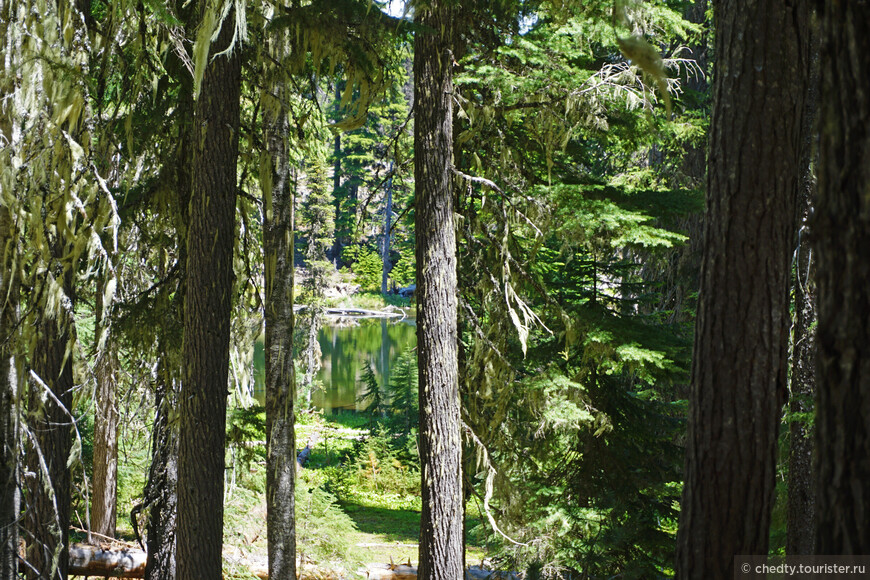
(394,525)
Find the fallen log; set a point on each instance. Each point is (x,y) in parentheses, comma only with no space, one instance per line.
(87,560)
(407,572)
(391,572)
(355,312)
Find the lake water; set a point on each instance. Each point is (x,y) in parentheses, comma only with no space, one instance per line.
(345,350)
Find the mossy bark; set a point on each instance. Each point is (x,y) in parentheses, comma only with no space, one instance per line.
(278,233)
(10,500)
(207,310)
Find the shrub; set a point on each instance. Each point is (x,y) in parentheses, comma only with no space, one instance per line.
(323,530)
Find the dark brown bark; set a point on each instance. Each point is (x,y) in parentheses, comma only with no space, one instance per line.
(842,244)
(207,309)
(105,482)
(161,492)
(161,495)
(800,507)
(741,334)
(47,513)
(9,406)
(278,234)
(441,541)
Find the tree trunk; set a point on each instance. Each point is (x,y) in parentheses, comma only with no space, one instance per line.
(161,490)
(161,495)
(47,513)
(681,296)
(105,482)
(800,507)
(207,309)
(10,501)
(385,250)
(280,378)
(842,244)
(800,510)
(441,541)
(336,183)
(741,335)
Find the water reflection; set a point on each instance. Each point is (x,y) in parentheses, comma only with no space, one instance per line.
(345,350)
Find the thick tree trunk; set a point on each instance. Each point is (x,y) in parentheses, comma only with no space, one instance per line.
(207,309)
(800,508)
(741,337)
(842,243)
(280,377)
(441,541)
(47,513)
(105,482)
(10,501)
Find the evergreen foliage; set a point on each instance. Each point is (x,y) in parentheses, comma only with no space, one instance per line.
(367,269)
(571,364)
(318,216)
(574,211)
(320,221)
(371,394)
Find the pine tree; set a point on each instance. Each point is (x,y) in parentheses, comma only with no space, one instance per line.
(318,215)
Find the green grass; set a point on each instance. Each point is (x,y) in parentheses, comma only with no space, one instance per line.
(385,521)
(389,528)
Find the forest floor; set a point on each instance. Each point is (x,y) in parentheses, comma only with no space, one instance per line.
(356,526)
(352,513)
